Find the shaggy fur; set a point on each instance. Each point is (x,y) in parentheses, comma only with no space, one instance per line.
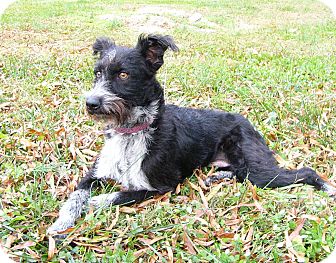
(151,147)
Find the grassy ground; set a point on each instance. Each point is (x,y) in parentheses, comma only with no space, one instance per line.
(272,61)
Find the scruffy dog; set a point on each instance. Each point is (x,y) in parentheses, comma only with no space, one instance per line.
(151,147)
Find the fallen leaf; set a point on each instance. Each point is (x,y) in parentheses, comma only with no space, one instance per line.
(115,220)
(72,151)
(255,197)
(24,245)
(9,241)
(59,131)
(66,231)
(204,243)
(249,235)
(292,252)
(33,253)
(156,199)
(148,241)
(212,219)
(223,234)
(200,191)
(214,191)
(89,152)
(141,252)
(212,170)
(98,249)
(297,230)
(27,143)
(178,189)
(51,248)
(188,243)
(84,244)
(128,210)
(5,105)
(232,222)
(201,183)
(312,217)
(169,252)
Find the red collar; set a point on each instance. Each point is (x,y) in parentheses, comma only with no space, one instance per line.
(134,129)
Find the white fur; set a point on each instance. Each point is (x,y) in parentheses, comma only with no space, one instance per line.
(100,91)
(121,159)
(331,190)
(122,154)
(70,211)
(103,200)
(111,55)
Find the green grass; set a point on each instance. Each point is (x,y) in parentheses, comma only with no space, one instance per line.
(272,61)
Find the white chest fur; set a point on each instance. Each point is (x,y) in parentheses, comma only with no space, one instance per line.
(121,158)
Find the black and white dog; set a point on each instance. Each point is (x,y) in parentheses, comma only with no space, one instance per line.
(151,147)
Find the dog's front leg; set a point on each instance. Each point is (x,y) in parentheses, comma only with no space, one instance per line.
(121,198)
(72,208)
(70,211)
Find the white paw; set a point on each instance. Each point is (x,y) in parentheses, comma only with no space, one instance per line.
(331,190)
(60,225)
(102,200)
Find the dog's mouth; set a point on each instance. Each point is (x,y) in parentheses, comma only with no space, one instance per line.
(114,112)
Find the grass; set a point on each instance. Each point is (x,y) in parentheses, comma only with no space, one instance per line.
(271,61)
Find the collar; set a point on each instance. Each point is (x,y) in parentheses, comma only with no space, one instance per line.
(134,129)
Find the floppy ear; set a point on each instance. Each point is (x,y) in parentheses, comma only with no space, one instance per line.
(102,45)
(152,47)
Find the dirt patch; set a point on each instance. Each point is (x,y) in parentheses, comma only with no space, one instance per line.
(32,42)
(242,25)
(150,19)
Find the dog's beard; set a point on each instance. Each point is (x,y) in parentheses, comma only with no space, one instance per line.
(113,113)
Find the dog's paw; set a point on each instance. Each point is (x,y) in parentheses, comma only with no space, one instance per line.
(59,226)
(103,200)
(218,176)
(329,189)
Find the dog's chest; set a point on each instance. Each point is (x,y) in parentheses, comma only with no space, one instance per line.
(121,159)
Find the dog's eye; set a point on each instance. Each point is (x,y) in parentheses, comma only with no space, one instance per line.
(98,74)
(123,75)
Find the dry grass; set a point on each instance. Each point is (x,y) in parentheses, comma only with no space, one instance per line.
(279,73)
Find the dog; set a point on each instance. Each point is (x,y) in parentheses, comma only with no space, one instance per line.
(151,147)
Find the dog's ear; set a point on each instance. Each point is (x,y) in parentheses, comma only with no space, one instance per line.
(102,45)
(152,47)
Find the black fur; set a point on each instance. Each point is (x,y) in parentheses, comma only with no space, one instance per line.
(174,140)
(186,138)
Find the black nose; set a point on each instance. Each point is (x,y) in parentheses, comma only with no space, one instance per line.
(93,103)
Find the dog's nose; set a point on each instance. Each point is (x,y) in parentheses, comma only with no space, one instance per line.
(93,103)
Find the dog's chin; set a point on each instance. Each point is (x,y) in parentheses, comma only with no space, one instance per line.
(111,119)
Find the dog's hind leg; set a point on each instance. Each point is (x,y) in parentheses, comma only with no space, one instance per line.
(222,165)
(121,198)
(250,158)
(218,176)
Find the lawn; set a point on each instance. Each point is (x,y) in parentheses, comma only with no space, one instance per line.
(272,61)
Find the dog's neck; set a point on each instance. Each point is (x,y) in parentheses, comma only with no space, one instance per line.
(134,129)
(141,118)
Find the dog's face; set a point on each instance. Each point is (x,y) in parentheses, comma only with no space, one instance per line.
(125,77)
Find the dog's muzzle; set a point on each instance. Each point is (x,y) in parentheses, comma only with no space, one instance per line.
(108,107)
(93,104)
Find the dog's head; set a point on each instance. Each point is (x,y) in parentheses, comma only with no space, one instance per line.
(125,77)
